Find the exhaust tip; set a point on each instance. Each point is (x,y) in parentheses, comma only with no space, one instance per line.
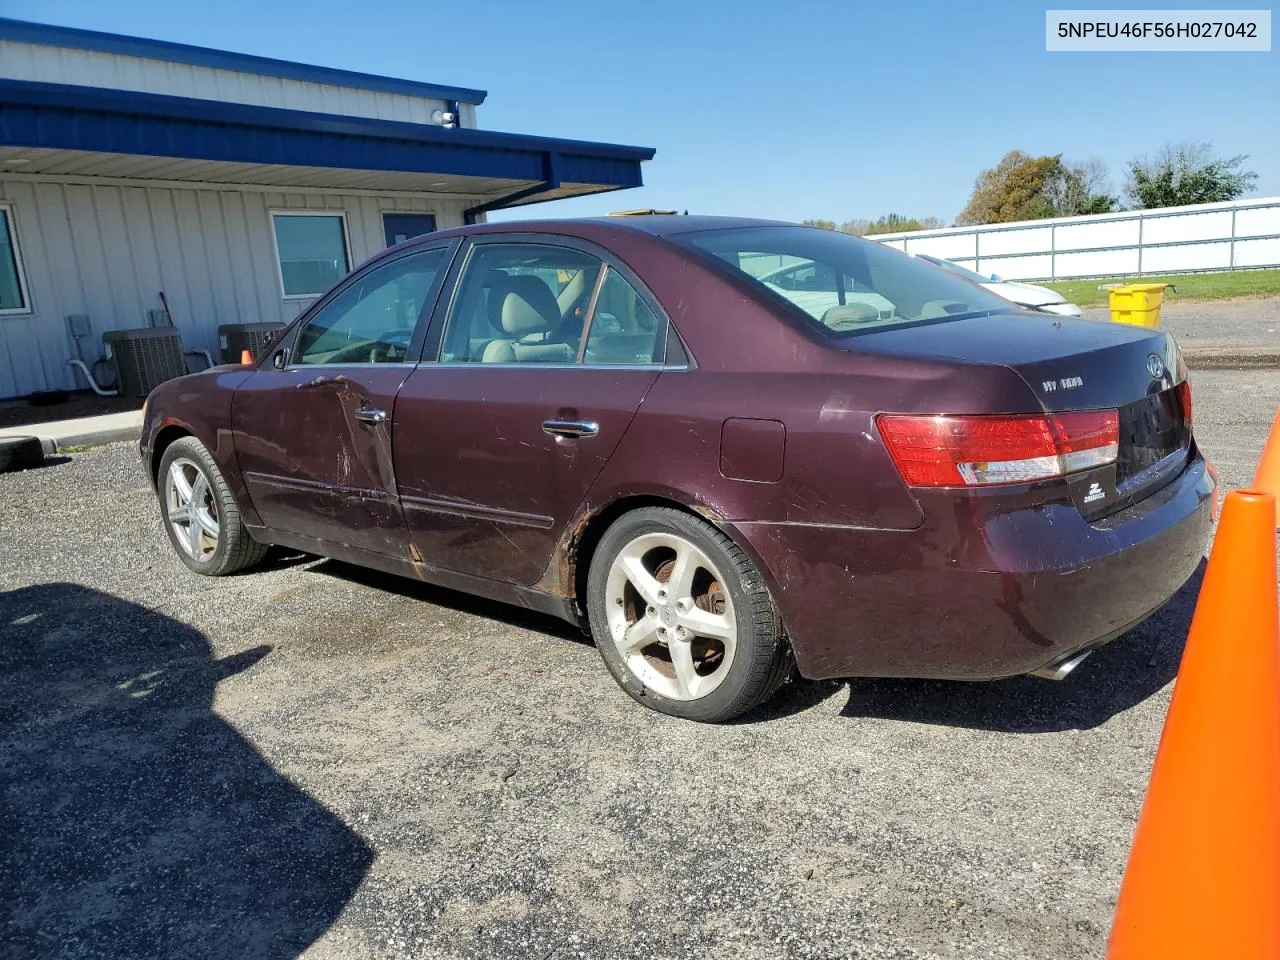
(1061,669)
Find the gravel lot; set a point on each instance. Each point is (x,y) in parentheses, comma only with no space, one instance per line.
(1249,324)
(315,760)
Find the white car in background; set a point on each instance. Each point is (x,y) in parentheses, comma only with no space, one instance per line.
(1023,294)
(813,288)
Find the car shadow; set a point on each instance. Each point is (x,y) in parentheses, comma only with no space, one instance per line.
(795,696)
(136,822)
(1112,680)
(454,600)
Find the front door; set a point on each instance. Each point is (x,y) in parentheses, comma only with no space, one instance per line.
(313,437)
(399,227)
(500,440)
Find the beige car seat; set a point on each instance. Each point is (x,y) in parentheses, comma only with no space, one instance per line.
(526,311)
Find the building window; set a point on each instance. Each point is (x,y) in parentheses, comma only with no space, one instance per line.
(399,227)
(312,251)
(13,294)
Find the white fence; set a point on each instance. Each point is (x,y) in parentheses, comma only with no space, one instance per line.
(1210,236)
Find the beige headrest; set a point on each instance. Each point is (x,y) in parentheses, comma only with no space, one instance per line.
(528,307)
(849,314)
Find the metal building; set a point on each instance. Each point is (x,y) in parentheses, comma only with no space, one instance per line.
(240,186)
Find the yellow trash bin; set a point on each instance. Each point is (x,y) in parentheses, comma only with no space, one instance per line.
(1137,304)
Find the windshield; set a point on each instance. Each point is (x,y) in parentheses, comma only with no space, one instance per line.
(955,268)
(840,283)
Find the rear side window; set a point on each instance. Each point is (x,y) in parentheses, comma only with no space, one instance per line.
(521,303)
(841,284)
(623,328)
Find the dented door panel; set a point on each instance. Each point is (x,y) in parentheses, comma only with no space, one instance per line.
(315,459)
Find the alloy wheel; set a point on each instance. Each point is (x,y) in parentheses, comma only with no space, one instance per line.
(192,509)
(670,616)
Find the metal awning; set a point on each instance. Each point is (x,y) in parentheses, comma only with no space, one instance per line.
(69,130)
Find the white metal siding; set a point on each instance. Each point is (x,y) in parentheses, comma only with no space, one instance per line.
(108,251)
(30,61)
(1210,236)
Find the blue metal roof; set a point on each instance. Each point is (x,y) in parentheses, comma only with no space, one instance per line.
(68,117)
(22,31)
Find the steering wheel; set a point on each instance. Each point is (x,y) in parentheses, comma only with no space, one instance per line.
(391,347)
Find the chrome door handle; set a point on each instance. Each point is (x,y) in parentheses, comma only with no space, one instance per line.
(571,428)
(371,415)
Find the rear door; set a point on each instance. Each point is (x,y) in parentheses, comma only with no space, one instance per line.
(501,434)
(313,426)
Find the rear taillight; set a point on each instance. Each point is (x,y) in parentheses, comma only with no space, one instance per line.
(960,451)
(1184,398)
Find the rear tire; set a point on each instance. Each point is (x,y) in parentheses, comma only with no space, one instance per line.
(682,617)
(200,513)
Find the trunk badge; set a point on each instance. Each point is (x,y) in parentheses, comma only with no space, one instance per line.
(1155,366)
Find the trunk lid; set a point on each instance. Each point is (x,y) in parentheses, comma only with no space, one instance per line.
(1068,365)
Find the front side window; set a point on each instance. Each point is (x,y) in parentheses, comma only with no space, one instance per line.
(312,250)
(842,284)
(520,303)
(373,319)
(11,292)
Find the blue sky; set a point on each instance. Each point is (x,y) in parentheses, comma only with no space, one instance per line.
(835,109)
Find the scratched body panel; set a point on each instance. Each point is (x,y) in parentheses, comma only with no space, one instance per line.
(310,466)
(487,491)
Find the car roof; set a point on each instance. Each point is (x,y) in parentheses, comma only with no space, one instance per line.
(657,225)
(663,225)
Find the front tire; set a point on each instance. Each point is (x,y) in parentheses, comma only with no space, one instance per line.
(682,617)
(200,514)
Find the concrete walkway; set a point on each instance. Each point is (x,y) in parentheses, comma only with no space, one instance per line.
(85,431)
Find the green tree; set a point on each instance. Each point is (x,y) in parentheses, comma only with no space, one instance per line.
(1185,173)
(1075,188)
(890,223)
(896,223)
(1023,187)
(1011,190)
(1100,203)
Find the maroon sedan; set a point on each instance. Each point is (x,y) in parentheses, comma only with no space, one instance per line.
(726,447)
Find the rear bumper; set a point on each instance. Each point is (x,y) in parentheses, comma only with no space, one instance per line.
(985,588)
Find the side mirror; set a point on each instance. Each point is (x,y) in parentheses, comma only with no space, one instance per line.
(280,359)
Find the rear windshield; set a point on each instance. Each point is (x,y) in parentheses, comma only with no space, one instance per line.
(842,284)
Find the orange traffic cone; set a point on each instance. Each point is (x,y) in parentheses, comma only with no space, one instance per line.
(1203,879)
(1268,476)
